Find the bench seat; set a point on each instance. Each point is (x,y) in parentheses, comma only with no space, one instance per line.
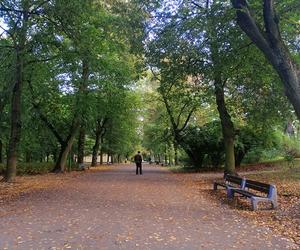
(264,193)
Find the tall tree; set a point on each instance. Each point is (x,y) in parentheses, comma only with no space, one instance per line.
(270,41)
(19,18)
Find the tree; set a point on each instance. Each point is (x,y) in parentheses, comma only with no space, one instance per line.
(19,17)
(270,41)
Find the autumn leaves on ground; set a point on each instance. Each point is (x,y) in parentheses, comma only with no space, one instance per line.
(109,207)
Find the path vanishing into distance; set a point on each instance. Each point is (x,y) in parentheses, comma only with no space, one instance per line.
(116,209)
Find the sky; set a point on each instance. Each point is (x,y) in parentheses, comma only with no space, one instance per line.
(2,25)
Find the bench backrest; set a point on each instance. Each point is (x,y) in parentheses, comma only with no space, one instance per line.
(258,186)
(268,189)
(234,179)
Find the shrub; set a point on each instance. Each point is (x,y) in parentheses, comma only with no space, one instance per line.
(253,156)
(31,168)
(290,149)
(204,145)
(2,168)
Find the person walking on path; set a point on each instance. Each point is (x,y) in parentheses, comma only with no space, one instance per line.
(138,162)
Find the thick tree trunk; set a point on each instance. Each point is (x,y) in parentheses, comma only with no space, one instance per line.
(15,133)
(272,46)
(81,142)
(64,152)
(57,167)
(227,126)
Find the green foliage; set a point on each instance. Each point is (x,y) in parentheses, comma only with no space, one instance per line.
(290,149)
(252,143)
(32,168)
(204,144)
(80,62)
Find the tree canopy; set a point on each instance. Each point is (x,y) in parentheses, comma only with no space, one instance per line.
(189,82)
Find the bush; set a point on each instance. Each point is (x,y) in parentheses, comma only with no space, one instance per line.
(253,156)
(2,168)
(253,145)
(31,168)
(291,146)
(204,145)
(290,149)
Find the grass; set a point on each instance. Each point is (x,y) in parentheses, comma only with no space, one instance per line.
(286,179)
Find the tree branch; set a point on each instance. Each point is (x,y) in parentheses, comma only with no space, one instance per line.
(43,117)
(187,120)
(248,24)
(271,23)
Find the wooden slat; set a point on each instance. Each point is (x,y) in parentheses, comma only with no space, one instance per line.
(259,186)
(245,193)
(234,179)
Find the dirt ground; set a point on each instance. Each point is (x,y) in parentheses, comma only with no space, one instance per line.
(112,208)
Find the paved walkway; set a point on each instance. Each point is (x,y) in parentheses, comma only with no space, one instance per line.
(116,209)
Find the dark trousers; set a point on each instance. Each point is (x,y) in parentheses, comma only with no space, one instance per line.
(138,167)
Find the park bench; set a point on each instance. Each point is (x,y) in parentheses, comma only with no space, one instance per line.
(83,166)
(256,192)
(231,181)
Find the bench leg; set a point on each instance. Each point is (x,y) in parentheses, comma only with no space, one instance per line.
(254,204)
(215,186)
(230,193)
(274,204)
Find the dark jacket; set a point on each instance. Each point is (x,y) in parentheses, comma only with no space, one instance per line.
(138,158)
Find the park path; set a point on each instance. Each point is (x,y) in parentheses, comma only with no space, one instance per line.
(115,209)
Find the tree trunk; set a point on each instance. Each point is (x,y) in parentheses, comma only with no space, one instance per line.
(112,160)
(272,46)
(227,126)
(1,151)
(64,151)
(81,141)
(100,132)
(239,156)
(196,158)
(176,154)
(57,167)
(108,158)
(95,152)
(28,157)
(166,156)
(101,157)
(15,133)
(97,144)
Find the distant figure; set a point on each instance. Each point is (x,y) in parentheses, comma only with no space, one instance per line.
(138,161)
